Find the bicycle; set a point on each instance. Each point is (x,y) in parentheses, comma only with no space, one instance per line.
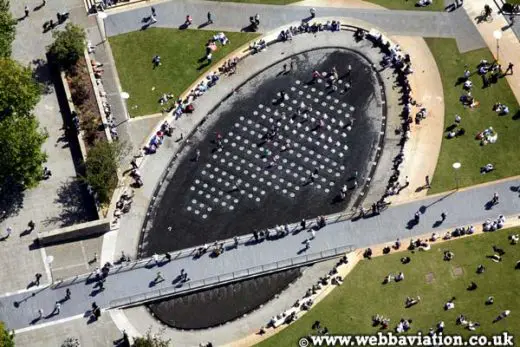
(485,16)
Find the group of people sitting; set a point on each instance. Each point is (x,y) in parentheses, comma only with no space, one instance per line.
(230,66)
(380,320)
(403,326)
(501,109)
(462,320)
(390,277)
(496,224)
(494,69)
(258,46)
(307,301)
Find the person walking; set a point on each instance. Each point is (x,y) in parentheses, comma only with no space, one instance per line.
(197,155)
(168,257)
(427,180)
(38,276)
(40,313)
(303,224)
(307,244)
(31,225)
(57,308)
(313,12)
(153,16)
(406,181)
(210,18)
(443,216)
(67,294)
(155,258)
(26,9)
(313,234)
(8,232)
(509,69)
(159,277)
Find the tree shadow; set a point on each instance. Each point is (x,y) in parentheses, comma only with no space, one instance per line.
(11,199)
(75,202)
(42,74)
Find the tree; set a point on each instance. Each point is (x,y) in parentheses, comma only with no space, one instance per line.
(68,46)
(6,337)
(101,168)
(151,340)
(7,29)
(21,157)
(19,92)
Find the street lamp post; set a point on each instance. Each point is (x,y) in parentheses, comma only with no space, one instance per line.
(49,261)
(497,34)
(456,166)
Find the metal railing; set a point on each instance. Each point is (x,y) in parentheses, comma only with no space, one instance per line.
(229,277)
(228,244)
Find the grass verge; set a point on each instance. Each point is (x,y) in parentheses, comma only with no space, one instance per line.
(466,149)
(180,51)
(408,5)
(349,308)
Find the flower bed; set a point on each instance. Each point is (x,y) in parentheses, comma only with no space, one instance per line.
(89,122)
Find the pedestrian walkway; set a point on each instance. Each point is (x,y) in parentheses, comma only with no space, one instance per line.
(463,208)
(506,48)
(58,201)
(235,17)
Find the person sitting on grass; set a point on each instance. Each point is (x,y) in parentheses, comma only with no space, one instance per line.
(461,320)
(487,168)
(448,255)
(514,239)
(423,3)
(472,286)
(412,301)
(473,325)
(399,277)
(490,300)
(502,315)
(480,269)
(405,260)
(450,304)
(496,258)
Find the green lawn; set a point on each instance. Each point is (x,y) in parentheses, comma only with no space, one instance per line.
(409,5)
(180,51)
(348,309)
(466,150)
